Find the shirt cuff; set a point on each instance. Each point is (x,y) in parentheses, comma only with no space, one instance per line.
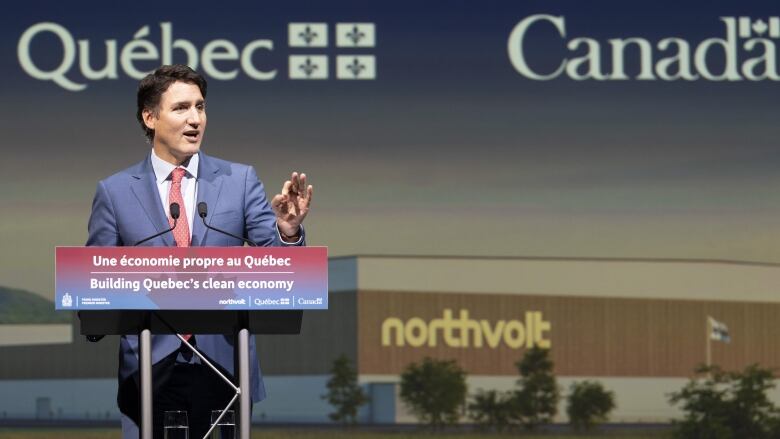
(298,242)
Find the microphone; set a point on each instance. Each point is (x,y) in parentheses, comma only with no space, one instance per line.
(175,212)
(203,211)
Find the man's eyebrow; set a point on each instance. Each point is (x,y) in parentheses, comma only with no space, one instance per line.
(198,102)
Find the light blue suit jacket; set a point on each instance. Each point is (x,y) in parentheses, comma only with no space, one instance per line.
(127,208)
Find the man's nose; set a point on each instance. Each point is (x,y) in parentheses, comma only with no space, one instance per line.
(194,117)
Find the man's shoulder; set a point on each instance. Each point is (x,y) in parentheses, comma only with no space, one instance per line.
(126,175)
(226,167)
(208,163)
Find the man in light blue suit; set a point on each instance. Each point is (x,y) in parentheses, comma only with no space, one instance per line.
(135,203)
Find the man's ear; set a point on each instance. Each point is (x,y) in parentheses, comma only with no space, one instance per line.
(149,118)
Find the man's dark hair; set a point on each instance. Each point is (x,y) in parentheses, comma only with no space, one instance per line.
(152,87)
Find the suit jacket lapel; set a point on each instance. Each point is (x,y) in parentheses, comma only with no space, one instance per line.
(144,188)
(209,186)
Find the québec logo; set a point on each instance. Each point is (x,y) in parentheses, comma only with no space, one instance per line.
(747,51)
(306,42)
(348,35)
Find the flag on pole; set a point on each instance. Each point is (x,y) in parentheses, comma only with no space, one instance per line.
(719,331)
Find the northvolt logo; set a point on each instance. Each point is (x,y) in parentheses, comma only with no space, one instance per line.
(746,51)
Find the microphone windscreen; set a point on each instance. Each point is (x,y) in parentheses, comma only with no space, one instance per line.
(203,209)
(175,210)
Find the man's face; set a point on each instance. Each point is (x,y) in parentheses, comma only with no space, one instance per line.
(179,124)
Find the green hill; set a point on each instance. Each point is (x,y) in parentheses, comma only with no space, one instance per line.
(19,306)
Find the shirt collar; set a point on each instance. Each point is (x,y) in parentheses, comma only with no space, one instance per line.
(163,169)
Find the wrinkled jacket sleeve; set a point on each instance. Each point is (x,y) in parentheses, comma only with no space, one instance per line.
(260,218)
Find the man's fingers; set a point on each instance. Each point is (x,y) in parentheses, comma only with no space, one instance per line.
(293,191)
(302,184)
(276,201)
(295,182)
(286,188)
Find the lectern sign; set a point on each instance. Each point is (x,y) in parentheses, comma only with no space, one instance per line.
(190,278)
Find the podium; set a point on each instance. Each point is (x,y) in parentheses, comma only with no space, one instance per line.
(235,291)
(240,324)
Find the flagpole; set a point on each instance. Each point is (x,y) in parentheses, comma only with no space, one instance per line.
(709,341)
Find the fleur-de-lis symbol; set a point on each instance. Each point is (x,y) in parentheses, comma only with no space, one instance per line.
(308,35)
(355,35)
(356,67)
(308,67)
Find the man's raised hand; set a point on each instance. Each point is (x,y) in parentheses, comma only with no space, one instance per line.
(292,205)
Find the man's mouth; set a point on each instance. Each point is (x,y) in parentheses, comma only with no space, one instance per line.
(192,134)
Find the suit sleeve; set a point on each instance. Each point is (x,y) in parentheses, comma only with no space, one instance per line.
(260,219)
(103,230)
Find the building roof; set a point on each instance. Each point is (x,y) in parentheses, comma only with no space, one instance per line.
(692,279)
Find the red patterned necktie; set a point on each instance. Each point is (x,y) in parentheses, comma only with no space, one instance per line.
(182,231)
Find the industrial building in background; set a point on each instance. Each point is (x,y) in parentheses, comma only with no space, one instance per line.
(639,326)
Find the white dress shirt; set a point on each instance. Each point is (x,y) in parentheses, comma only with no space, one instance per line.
(189,184)
(189,189)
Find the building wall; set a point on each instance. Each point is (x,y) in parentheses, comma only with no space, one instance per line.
(582,277)
(292,398)
(588,336)
(324,336)
(74,359)
(67,398)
